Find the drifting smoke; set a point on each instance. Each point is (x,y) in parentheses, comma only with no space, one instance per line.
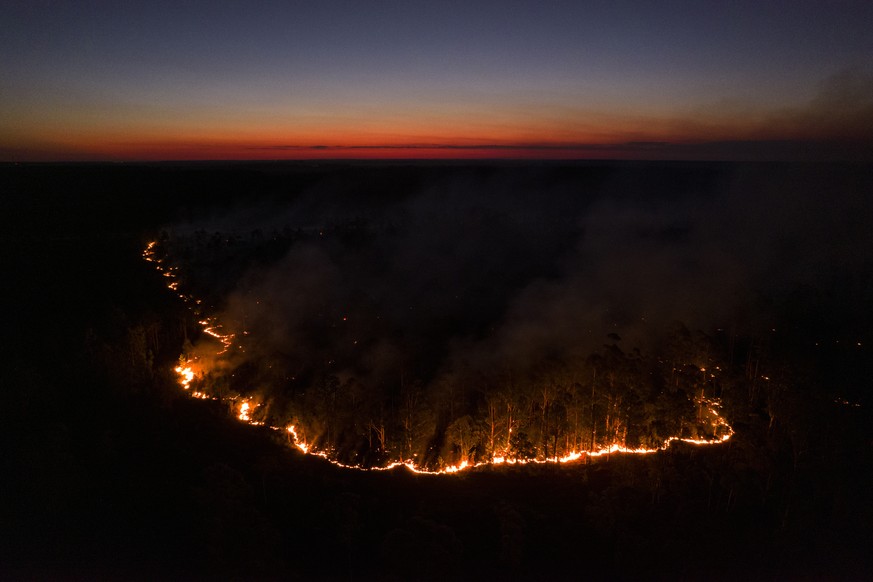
(449,271)
(376,284)
(718,255)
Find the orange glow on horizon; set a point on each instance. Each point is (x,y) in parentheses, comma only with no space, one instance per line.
(509,134)
(229,152)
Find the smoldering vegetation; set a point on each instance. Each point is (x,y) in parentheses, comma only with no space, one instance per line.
(451,314)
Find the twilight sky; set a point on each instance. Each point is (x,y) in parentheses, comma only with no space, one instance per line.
(221,79)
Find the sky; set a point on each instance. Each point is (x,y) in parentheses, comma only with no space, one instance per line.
(141,81)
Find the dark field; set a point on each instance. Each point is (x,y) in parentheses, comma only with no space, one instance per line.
(110,472)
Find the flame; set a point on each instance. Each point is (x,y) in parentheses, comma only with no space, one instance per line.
(186,376)
(150,255)
(211,327)
(307,449)
(292,431)
(245,409)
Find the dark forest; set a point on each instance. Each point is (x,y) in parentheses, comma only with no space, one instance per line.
(441,312)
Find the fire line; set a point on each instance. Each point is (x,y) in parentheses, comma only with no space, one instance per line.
(246,407)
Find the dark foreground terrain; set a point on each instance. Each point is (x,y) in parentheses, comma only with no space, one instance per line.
(109,472)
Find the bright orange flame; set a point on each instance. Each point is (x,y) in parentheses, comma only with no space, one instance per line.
(186,376)
(297,442)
